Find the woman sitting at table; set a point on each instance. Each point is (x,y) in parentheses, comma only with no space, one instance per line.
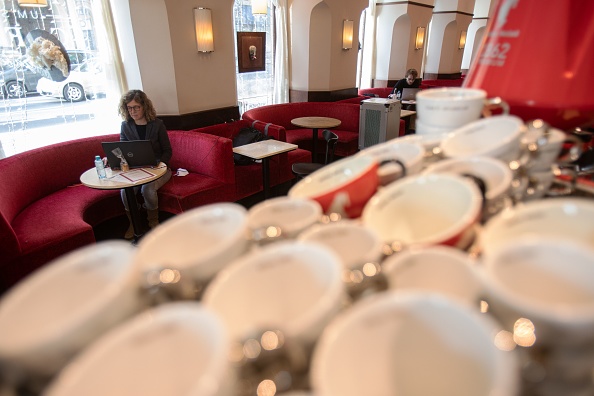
(141,123)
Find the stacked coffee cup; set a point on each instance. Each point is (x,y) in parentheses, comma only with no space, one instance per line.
(442,110)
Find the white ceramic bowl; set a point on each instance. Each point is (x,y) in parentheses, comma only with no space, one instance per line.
(495,173)
(437,269)
(292,215)
(450,106)
(425,210)
(547,281)
(62,307)
(342,187)
(409,153)
(498,137)
(199,242)
(174,349)
(560,218)
(295,287)
(411,344)
(351,241)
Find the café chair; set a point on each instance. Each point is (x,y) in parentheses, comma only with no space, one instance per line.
(303,169)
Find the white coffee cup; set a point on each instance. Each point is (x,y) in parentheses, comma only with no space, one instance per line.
(343,186)
(431,143)
(538,183)
(411,344)
(175,349)
(547,281)
(548,151)
(453,106)
(408,153)
(291,215)
(424,210)
(498,137)
(354,243)
(198,243)
(58,310)
(423,128)
(496,175)
(294,287)
(560,218)
(437,269)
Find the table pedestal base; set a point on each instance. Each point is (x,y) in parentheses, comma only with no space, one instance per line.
(134,213)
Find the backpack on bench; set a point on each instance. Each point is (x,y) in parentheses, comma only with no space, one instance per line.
(245,136)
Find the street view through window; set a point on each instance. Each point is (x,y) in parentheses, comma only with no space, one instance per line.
(54,75)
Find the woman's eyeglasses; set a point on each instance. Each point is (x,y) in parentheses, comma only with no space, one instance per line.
(133,108)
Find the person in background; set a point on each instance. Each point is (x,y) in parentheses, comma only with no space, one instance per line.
(410,81)
(141,123)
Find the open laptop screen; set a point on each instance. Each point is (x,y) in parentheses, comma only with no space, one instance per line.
(409,93)
(138,153)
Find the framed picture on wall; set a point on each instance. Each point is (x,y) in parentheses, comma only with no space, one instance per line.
(251,51)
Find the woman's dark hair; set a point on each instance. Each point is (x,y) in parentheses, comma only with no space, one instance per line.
(412,72)
(140,97)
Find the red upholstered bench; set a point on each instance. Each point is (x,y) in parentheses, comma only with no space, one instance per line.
(248,178)
(44,210)
(282,114)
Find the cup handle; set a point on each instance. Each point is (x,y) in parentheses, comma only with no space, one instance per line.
(574,152)
(395,161)
(496,103)
(531,150)
(480,183)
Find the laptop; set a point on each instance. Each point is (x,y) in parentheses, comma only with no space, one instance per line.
(409,93)
(138,153)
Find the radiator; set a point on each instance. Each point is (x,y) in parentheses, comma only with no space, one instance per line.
(379,120)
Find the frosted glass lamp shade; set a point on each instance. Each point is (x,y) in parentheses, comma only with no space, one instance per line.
(33,3)
(203,26)
(347,34)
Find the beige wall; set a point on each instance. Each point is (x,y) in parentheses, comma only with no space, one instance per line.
(395,38)
(449,19)
(318,62)
(169,69)
(159,50)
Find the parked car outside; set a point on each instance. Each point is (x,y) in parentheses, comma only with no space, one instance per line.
(86,81)
(22,77)
(19,79)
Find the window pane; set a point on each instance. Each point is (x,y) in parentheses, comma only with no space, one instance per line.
(255,89)
(36,108)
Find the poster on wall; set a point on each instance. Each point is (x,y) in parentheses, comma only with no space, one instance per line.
(251,51)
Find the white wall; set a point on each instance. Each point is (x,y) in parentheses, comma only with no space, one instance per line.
(160,56)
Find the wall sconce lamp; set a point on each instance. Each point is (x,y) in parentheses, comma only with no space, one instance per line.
(347,34)
(203,26)
(259,7)
(420,38)
(33,3)
(462,43)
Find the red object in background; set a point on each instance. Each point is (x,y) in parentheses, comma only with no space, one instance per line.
(539,57)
